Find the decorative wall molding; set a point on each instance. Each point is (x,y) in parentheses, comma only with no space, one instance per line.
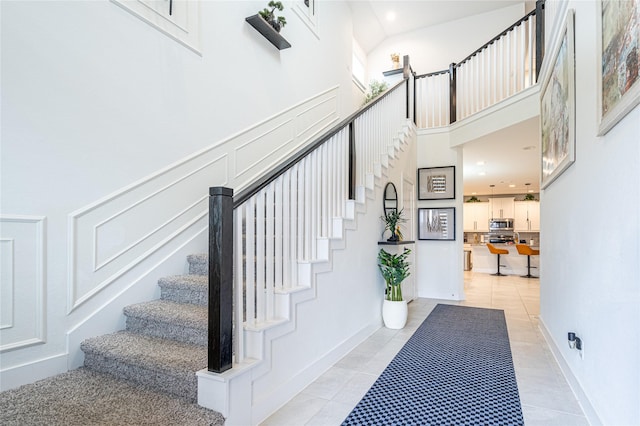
(7,282)
(22,281)
(111,237)
(178,19)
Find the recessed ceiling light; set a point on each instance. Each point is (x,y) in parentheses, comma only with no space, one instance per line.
(482,174)
(531,190)
(391,15)
(473,193)
(528,148)
(480,163)
(511,185)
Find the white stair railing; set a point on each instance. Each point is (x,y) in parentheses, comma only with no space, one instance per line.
(501,68)
(432,99)
(282,227)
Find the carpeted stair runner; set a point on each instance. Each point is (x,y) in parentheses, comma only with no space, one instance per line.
(161,349)
(164,343)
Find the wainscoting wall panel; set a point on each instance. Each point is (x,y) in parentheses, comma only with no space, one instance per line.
(22,283)
(112,237)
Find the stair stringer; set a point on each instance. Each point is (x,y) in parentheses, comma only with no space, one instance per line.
(228,392)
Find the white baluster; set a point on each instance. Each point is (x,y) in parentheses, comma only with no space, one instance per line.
(250,259)
(285,244)
(260,263)
(270,257)
(294,218)
(281,230)
(309,212)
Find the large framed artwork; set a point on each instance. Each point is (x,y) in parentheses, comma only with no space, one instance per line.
(619,52)
(437,183)
(557,107)
(437,224)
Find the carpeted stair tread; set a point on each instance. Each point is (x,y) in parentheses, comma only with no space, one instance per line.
(169,320)
(148,351)
(185,314)
(84,397)
(185,288)
(160,364)
(198,264)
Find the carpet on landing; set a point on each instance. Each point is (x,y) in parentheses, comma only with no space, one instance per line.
(456,369)
(83,397)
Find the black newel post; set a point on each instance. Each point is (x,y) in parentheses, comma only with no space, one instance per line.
(452,93)
(539,36)
(220,278)
(352,162)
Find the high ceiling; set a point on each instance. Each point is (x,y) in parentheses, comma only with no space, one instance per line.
(511,155)
(375,20)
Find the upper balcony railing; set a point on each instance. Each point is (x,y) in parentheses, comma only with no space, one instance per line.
(504,66)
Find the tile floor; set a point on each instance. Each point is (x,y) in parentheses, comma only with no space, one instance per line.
(544,393)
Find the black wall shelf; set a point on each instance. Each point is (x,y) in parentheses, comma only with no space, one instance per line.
(392,72)
(394,243)
(263,27)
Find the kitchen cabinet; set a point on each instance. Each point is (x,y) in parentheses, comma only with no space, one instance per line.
(475,217)
(501,207)
(527,216)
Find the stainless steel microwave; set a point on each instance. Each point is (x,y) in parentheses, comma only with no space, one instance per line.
(501,225)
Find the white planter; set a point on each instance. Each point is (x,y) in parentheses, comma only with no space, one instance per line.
(394,314)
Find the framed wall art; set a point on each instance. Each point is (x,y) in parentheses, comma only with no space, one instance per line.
(437,183)
(557,106)
(437,224)
(619,52)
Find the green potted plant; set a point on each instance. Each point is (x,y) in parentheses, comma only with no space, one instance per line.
(392,221)
(375,89)
(276,22)
(394,269)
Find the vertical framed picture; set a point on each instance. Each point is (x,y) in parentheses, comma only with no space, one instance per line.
(437,224)
(437,183)
(557,107)
(619,52)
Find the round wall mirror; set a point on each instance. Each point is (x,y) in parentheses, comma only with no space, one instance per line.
(390,199)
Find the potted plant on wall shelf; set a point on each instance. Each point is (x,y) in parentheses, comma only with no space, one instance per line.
(394,269)
(392,220)
(276,22)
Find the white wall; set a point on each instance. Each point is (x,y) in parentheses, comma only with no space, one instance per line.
(590,220)
(439,267)
(434,48)
(94,99)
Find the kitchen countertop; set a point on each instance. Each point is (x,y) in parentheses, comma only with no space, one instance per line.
(513,263)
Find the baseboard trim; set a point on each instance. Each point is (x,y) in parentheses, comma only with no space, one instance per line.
(589,412)
(269,404)
(19,375)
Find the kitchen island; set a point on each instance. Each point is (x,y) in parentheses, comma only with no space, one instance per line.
(512,264)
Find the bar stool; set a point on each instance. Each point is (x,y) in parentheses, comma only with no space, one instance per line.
(525,250)
(494,250)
